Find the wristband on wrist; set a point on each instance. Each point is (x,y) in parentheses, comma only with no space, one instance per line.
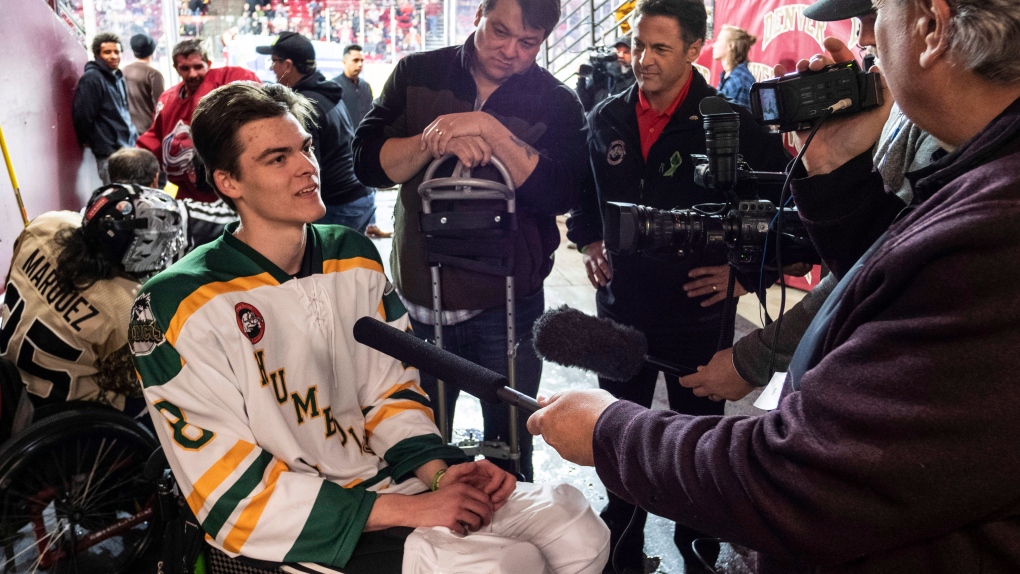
(437,478)
(582,249)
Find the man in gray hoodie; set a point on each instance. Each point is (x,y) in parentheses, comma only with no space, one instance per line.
(100,112)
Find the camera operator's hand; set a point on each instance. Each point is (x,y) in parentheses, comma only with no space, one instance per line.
(840,139)
(567,422)
(712,281)
(596,263)
(718,379)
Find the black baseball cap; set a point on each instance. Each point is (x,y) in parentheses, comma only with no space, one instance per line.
(622,41)
(833,10)
(142,45)
(291,46)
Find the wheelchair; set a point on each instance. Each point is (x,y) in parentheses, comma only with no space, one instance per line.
(73,496)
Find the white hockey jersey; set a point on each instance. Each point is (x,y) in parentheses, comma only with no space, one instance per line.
(279,427)
(63,342)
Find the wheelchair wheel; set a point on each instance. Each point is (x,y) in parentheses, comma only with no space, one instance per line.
(73,497)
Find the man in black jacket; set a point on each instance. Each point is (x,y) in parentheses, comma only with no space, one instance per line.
(348,202)
(640,145)
(100,112)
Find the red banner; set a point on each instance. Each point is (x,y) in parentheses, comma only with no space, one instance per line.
(785,35)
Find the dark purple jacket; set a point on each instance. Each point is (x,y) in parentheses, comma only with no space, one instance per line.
(899,452)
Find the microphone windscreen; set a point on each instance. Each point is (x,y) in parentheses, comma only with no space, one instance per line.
(444,365)
(571,338)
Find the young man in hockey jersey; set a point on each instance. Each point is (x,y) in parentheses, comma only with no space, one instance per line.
(291,442)
(169,138)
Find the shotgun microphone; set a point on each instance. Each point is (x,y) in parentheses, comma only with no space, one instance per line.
(473,379)
(568,337)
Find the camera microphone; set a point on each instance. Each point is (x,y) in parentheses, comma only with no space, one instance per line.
(722,141)
(568,337)
(473,379)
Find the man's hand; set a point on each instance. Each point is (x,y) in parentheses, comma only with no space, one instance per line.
(470,150)
(444,129)
(840,139)
(718,379)
(567,422)
(712,281)
(460,507)
(482,475)
(596,263)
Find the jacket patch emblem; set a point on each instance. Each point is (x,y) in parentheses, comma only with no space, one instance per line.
(250,322)
(617,150)
(674,162)
(144,335)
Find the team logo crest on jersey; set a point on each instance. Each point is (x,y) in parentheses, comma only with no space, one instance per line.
(617,150)
(250,322)
(178,150)
(144,335)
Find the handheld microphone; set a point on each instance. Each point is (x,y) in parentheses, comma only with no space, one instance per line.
(473,379)
(568,337)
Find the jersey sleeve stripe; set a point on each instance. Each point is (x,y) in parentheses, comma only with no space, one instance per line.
(234,495)
(216,474)
(392,409)
(412,384)
(341,265)
(205,293)
(245,523)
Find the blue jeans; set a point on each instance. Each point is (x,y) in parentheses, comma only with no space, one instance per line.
(356,214)
(482,340)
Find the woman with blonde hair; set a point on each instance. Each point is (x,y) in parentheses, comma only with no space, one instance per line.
(731,47)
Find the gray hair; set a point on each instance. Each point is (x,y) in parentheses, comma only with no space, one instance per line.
(133,165)
(983,37)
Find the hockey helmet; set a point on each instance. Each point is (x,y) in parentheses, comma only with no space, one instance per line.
(142,227)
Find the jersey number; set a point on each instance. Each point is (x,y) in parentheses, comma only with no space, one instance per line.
(39,338)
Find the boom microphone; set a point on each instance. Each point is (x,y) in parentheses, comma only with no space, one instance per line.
(568,337)
(475,380)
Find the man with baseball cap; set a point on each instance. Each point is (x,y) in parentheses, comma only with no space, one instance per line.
(144,83)
(348,201)
(592,88)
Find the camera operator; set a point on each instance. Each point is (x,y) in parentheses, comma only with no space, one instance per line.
(673,302)
(902,147)
(606,75)
(892,447)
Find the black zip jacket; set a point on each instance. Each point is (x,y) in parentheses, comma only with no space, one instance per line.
(331,138)
(100,112)
(536,107)
(647,291)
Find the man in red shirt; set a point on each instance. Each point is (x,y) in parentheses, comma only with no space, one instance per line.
(169,138)
(640,145)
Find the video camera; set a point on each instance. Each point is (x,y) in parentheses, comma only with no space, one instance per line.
(743,228)
(796,101)
(598,68)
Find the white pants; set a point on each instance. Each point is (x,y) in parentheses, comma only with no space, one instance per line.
(542,529)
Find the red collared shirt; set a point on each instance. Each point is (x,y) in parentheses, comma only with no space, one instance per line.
(650,122)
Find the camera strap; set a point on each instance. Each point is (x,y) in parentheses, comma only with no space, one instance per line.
(809,351)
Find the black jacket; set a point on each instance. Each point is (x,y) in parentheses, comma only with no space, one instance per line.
(647,291)
(331,138)
(100,110)
(536,107)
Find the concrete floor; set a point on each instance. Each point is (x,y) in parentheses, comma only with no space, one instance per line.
(568,285)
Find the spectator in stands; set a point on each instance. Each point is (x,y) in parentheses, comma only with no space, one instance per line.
(169,138)
(348,201)
(730,49)
(69,293)
(486,97)
(102,120)
(144,83)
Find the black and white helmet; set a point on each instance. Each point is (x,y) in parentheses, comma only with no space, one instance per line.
(141,226)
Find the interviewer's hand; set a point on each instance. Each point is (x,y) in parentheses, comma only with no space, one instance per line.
(596,263)
(840,139)
(482,475)
(567,422)
(718,379)
(712,281)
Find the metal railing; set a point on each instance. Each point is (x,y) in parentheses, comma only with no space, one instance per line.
(584,23)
